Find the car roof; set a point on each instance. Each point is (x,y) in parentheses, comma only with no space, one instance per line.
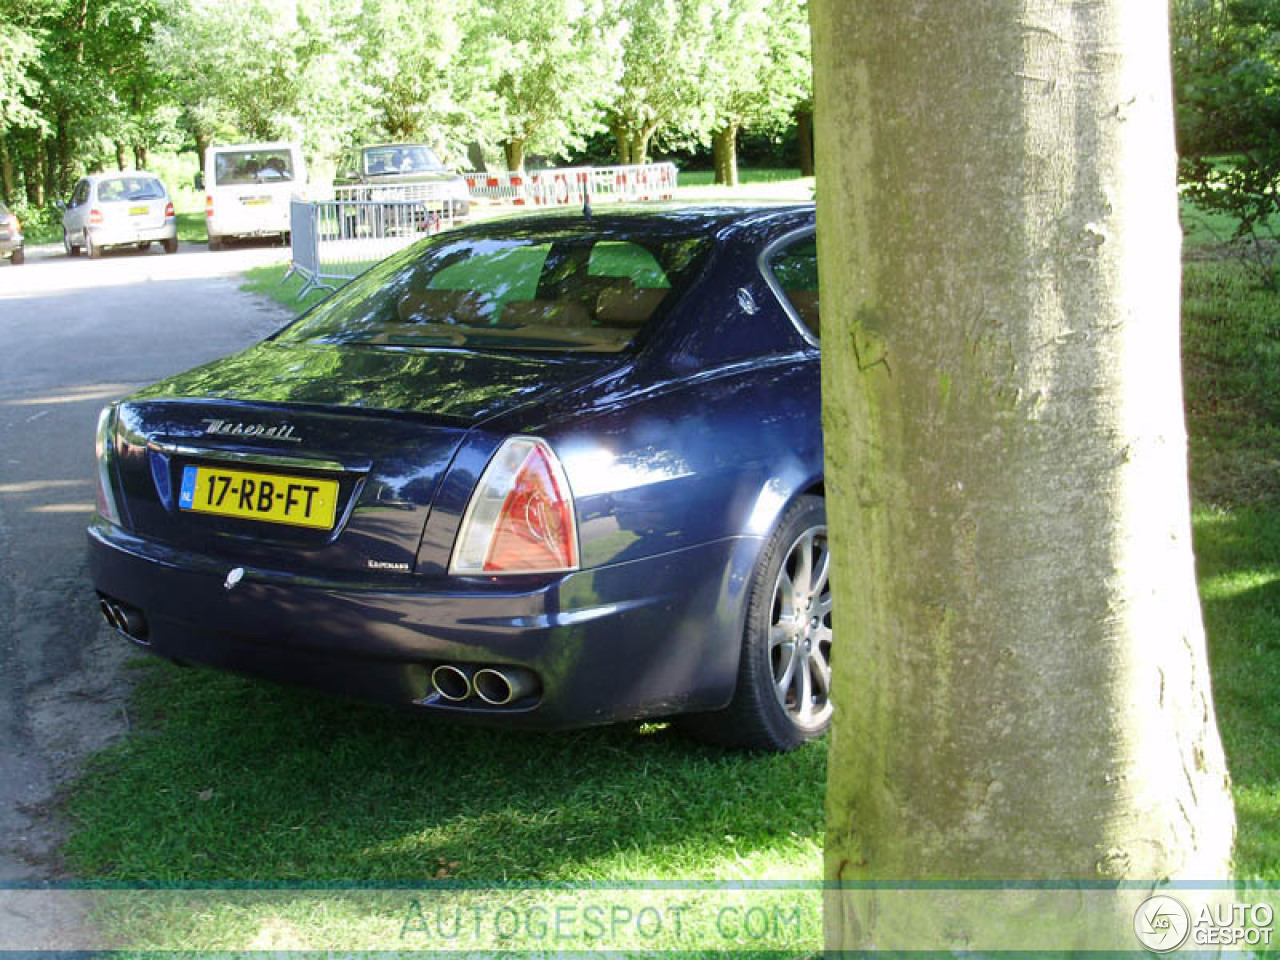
(673,217)
(121,174)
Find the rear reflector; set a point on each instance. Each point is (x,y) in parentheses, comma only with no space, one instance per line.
(95,218)
(521,517)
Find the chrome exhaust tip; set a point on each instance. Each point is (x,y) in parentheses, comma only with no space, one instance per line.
(452,683)
(122,619)
(131,622)
(109,613)
(501,687)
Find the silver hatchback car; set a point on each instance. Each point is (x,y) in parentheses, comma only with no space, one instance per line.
(119,210)
(12,244)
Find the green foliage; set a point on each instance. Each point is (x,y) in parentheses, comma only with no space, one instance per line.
(87,84)
(1227,71)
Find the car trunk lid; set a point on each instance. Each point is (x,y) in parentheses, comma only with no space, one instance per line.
(317,461)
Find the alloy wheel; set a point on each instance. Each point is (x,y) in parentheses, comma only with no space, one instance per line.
(800,630)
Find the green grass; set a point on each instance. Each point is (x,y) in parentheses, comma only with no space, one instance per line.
(270,282)
(1238,559)
(1231,351)
(746,175)
(191,227)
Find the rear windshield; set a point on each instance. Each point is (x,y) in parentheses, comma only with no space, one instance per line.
(569,291)
(130,188)
(380,161)
(252,166)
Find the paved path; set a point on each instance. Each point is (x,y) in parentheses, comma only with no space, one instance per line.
(75,334)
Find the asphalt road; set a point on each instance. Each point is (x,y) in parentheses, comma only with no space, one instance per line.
(75,334)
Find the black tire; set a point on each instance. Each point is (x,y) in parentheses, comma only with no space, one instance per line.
(71,249)
(216,243)
(768,712)
(171,245)
(91,249)
(19,257)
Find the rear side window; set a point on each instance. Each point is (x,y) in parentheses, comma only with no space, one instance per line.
(794,275)
(563,292)
(130,188)
(238,167)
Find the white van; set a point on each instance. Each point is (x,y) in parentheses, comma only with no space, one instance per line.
(247,189)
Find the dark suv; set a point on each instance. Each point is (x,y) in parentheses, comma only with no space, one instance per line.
(11,243)
(403,171)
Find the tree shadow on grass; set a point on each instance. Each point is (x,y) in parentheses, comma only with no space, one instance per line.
(239,780)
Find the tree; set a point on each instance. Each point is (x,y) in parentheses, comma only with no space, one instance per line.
(664,45)
(757,70)
(553,66)
(1227,68)
(1021,676)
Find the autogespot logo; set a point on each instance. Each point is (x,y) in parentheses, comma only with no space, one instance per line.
(1162,924)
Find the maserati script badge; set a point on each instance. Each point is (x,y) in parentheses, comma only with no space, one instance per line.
(225,428)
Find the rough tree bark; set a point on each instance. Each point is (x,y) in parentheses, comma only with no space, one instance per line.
(1021,679)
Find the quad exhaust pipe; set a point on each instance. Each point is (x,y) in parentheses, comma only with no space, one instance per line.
(496,686)
(123,618)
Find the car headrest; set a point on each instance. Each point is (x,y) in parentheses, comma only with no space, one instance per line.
(444,306)
(623,304)
(546,313)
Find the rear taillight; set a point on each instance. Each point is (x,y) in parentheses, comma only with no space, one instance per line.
(208,204)
(95,218)
(520,518)
(104,447)
(168,209)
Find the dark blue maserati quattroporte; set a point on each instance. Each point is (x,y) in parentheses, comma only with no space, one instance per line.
(545,472)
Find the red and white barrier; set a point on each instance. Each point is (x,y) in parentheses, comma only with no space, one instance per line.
(565,186)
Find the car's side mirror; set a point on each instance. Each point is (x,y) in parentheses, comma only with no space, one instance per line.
(199,179)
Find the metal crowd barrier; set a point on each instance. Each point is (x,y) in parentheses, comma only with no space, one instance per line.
(337,240)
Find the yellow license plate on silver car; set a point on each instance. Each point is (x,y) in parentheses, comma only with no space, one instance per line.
(270,497)
(139,211)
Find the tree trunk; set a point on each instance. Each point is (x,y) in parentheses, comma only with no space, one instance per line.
(120,160)
(622,140)
(1021,678)
(140,156)
(724,152)
(51,188)
(8,186)
(513,151)
(202,144)
(804,139)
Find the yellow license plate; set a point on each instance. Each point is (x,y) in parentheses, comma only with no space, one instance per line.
(256,201)
(139,211)
(275,498)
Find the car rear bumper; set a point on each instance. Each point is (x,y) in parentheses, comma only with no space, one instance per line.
(645,638)
(122,236)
